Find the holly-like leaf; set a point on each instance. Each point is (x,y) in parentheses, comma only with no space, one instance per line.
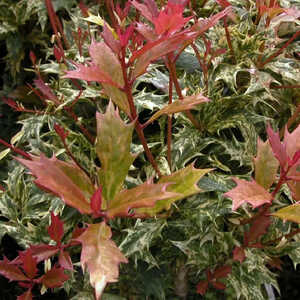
(101,256)
(289,213)
(180,105)
(265,164)
(65,180)
(248,192)
(239,254)
(144,195)
(29,263)
(56,229)
(11,271)
(258,228)
(25,296)
(54,278)
(183,183)
(113,150)
(278,148)
(42,252)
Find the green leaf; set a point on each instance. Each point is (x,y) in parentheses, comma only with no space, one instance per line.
(144,195)
(62,179)
(180,105)
(101,256)
(183,183)
(289,213)
(113,150)
(265,164)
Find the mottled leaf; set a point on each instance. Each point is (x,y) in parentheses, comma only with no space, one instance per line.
(265,164)
(101,256)
(289,213)
(56,229)
(144,195)
(183,183)
(180,105)
(54,278)
(63,179)
(248,192)
(113,149)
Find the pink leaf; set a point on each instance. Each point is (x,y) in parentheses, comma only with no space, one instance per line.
(54,278)
(248,192)
(292,141)
(42,252)
(96,202)
(65,260)
(56,229)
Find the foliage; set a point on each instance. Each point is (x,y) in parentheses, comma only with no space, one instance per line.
(158,120)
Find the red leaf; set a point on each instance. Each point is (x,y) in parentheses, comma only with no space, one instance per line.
(26,296)
(11,272)
(29,263)
(46,90)
(144,9)
(56,229)
(77,232)
(202,287)
(222,272)
(248,192)
(110,39)
(65,260)
(292,141)
(278,148)
(218,285)
(54,278)
(42,252)
(239,254)
(258,228)
(96,202)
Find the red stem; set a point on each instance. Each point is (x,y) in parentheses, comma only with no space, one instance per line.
(16,150)
(278,52)
(134,116)
(228,39)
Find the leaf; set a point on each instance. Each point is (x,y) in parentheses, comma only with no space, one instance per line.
(258,228)
(54,278)
(101,256)
(63,179)
(265,164)
(42,251)
(183,183)
(289,213)
(239,254)
(26,296)
(65,260)
(218,285)
(29,263)
(278,148)
(56,229)
(144,195)
(96,202)
(180,105)
(292,141)
(11,271)
(113,149)
(202,287)
(248,191)
(222,272)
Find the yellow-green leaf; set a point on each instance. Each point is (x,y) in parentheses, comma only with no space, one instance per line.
(113,150)
(183,183)
(289,213)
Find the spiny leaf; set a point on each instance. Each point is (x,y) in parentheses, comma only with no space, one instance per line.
(265,164)
(292,141)
(63,179)
(289,213)
(101,256)
(258,227)
(42,251)
(248,192)
(56,229)
(144,195)
(54,278)
(180,105)
(11,271)
(183,183)
(113,150)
